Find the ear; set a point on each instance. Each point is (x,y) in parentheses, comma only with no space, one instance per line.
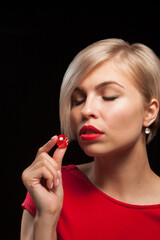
(151,112)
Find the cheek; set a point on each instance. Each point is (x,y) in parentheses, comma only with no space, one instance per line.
(125,119)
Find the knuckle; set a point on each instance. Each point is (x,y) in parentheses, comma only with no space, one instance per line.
(24,176)
(43,169)
(43,156)
(40,150)
(43,162)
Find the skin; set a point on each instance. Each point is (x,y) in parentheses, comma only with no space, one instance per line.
(120,167)
(48,197)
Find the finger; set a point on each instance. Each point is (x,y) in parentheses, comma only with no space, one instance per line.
(34,177)
(44,168)
(51,177)
(52,166)
(54,169)
(44,159)
(59,154)
(48,146)
(48,176)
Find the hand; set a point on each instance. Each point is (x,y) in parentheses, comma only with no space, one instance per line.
(43,179)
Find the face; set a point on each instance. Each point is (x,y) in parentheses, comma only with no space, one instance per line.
(107,111)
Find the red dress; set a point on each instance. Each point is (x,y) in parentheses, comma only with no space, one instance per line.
(90,214)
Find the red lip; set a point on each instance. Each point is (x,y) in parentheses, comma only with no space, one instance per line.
(89,133)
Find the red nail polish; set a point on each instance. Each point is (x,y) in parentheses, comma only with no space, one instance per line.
(62,141)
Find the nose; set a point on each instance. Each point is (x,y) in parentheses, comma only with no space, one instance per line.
(90,109)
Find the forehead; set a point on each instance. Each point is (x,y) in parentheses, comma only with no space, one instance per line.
(106,71)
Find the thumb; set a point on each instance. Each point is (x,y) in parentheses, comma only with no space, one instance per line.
(59,154)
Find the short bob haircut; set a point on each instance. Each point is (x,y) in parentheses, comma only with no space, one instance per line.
(137,60)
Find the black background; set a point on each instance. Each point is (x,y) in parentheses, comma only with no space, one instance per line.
(37,43)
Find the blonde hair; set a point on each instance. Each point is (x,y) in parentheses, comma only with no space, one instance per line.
(137,60)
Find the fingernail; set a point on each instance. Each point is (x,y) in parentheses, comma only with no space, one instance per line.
(53,137)
(57,182)
(59,173)
(51,185)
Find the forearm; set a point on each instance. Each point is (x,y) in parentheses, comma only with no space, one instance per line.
(44,228)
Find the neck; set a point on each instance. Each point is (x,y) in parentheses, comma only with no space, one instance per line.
(123,174)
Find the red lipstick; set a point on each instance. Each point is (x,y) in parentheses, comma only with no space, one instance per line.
(89,133)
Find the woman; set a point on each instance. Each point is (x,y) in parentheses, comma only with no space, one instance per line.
(109,102)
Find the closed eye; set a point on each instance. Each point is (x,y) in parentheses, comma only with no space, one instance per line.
(77,102)
(111,98)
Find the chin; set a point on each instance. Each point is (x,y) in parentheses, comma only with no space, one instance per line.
(94,150)
(104,150)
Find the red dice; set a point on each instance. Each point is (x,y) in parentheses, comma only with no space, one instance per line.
(62,141)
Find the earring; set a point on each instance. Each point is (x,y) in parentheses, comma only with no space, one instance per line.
(147,130)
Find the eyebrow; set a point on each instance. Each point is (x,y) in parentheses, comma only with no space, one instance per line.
(101,85)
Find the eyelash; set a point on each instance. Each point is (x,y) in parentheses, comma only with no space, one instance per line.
(110,98)
(76,102)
